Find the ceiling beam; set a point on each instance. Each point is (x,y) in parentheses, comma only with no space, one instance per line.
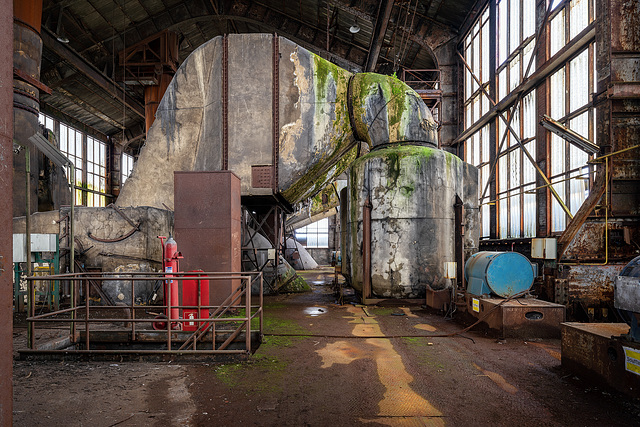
(384,13)
(271,29)
(87,107)
(89,70)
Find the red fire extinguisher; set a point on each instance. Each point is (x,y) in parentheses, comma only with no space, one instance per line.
(170,266)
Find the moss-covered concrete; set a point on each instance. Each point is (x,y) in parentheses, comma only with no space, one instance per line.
(413,189)
(386,110)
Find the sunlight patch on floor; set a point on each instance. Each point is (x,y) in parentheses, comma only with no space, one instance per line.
(400,405)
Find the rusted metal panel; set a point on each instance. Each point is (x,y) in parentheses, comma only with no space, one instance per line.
(6,213)
(591,286)
(590,244)
(208,226)
(625,24)
(595,350)
(438,300)
(522,317)
(261,176)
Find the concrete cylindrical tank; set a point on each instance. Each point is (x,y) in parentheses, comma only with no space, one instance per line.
(502,273)
(412,189)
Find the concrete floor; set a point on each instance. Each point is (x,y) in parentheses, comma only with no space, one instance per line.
(323,364)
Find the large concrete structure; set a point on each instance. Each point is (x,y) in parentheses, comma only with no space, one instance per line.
(411,191)
(286,130)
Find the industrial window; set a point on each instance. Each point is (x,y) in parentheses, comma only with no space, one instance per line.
(71,145)
(127,167)
(314,235)
(567,20)
(571,89)
(516,199)
(515,42)
(96,172)
(477,154)
(47,122)
(476,54)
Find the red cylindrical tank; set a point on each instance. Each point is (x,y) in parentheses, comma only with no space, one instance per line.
(195,292)
(170,264)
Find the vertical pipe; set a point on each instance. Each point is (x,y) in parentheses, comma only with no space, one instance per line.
(366,250)
(72,260)
(6,214)
(27,217)
(459,243)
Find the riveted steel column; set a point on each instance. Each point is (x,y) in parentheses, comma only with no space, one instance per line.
(6,214)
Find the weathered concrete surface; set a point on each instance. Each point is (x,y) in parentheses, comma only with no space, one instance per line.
(386,110)
(315,137)
(314,129)
(139,252)
(413,190)
(470,201)
(302,260)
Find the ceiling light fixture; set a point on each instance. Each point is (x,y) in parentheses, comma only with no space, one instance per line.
(354,28)
(62,38)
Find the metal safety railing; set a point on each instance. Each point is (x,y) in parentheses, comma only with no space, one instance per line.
(236,314)
(422,79)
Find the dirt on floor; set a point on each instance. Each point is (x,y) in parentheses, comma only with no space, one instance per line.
(324,364)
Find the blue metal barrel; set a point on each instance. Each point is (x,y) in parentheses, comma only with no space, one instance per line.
(501,273)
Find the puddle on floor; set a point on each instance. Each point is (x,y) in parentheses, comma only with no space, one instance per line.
(315,311)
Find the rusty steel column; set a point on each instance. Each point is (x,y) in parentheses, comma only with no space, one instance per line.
(6,213)
(366,250)
(152,97)
(459,243)
(27,56)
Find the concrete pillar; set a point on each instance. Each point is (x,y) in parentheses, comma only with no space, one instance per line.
(6,221)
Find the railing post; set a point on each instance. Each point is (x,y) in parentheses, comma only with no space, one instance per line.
(169,283)
(133,309)
(247,298)
(31,331)
(261,297)
(86,313)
